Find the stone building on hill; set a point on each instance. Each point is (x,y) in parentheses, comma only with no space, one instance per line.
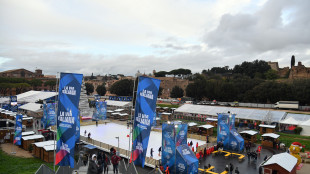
(21,73)
(167,83)
(296,72)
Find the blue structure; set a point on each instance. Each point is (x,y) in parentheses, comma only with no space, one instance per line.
(227,134)
(186,161)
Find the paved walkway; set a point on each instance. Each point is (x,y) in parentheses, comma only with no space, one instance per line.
(9,147)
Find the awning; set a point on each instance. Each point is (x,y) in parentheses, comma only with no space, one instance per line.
(207,126)
(250,132)
(32,137)
(191,124)
(272,135)
(267,126)
(90,146)
(34,107)
(28,133)
(118,110)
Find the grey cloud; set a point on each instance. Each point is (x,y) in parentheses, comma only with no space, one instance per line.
(263,31)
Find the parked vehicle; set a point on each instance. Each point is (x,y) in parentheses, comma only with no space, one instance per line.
(287,105)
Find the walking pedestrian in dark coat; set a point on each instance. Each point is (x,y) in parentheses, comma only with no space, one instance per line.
(152,152)
(159,151)
(231,168)
(236,170)
(93,167)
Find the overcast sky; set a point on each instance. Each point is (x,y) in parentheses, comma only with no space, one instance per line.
(123,36)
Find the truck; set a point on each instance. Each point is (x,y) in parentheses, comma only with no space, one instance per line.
(287,105)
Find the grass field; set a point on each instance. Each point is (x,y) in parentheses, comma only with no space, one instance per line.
(288,139)
(168,105)
(12,164)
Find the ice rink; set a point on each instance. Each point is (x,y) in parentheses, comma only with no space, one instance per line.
(107,133)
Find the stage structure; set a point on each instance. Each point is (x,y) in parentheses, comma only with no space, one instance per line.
(227,133)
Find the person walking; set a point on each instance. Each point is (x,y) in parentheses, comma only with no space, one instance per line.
(115,159)
(96,123)
(85,133)
(89,134)
(159,151)
(226,168)
(237,170)
(167,170)
(196,146)
(191,143)
(93,167)
(152,152)
(231,168)
(106,163)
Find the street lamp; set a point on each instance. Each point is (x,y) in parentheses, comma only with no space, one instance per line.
(118,143)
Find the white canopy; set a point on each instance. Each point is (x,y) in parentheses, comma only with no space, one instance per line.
(123,114)
(211,119)
(110,111)
(45,143)
(33,96)
(272,135)
(31,137)
(28,133)
(166,113)
(242,113)
(207,126)
(49,147)
(268,126)
(191,124)
(118,110)
(34,107)
(117,103)
(290,120)
(250,132)
(115,113)
(284,160)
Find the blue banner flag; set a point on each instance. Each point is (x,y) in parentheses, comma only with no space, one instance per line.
(144,112)
(18,129)
(49,115)
(186,161)
(181,134)
(96,112)
(67,113)
(102,110)
(13,103)
(168,147)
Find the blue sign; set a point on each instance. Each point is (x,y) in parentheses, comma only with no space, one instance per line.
(68,104)
(18,130)
(168,147)
(181,134)
(144,112)
(186,161)
(13,103)
(49,114)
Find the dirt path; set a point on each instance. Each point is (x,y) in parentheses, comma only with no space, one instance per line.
(8,147)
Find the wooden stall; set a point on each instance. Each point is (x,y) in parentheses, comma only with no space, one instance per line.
(28,133)
(267,128)
(282,163)
(212,121)
(249,135)
(28,140)
(48,153)
(206,130)
(270,139)
(165,116)
(28,121)
(37,147)
(6,135)
(192,127)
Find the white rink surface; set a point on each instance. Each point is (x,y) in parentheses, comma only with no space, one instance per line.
(107,133)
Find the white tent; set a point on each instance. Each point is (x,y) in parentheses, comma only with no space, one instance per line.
(34,107)
(118,103)
(305,128)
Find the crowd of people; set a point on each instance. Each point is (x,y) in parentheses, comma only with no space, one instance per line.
(100,163)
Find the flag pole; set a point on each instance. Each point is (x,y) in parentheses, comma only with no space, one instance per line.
(56,108)
(131,122)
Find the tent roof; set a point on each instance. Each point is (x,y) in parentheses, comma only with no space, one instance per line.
(31,137)
(33,96)
(250,132)
(192,124)
(242,113)
(44,143)
(117,103)
(207,126)
(306,123)
(28,133)
(268,126)
(272,135)
(118,110)
(90,146)
(296,119)
(34,107)
(49,147)
(284,160)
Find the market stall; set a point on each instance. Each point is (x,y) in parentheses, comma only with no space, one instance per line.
(28,140)
(270,139)
(48,153)
(249,135)
(39,145)
(267,128)
(206,130)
